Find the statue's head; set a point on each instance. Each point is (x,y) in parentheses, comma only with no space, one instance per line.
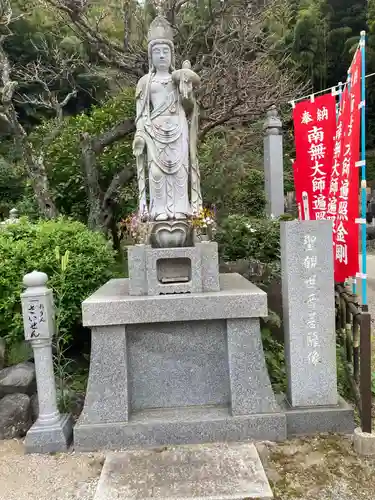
(160,45)
(161,56)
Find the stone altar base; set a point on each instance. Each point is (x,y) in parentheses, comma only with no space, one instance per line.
(162,427)
(230,472)
(175,369)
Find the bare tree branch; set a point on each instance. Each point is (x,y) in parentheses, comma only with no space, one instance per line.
(120,131)
(130,59)
(120,179)
(34,163)
(226,45)
(241,77)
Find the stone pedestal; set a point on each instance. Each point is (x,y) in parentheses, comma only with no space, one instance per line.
(364,443)
(177,358)
(52,438)
(308,421)
(160,271)
(176,369)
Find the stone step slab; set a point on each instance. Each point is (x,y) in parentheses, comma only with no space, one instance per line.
(219,471)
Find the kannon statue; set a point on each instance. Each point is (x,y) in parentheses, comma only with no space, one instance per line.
(165,142)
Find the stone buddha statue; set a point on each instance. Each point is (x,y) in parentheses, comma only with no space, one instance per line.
(165,142)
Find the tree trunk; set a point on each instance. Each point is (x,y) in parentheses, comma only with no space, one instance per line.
(37,175)
(45,203)
(95,218)
(100,205)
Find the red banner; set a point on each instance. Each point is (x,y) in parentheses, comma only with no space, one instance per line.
(314,129)
(325,174)
(344,185)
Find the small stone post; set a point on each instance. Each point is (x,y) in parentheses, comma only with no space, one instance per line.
(273,163)
(51,432)
(13,218)
(13,215)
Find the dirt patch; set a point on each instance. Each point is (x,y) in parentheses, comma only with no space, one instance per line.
(68,476)
(323,467)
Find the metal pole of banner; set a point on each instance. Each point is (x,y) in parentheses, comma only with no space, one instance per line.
(340,98)
(297,99)
(363,170)
(354,278)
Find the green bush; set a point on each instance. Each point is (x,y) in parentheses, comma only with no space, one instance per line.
(25,247)
(275,360)
(249,198)
(15,190)
(12,186)
(232,178)
(241,237)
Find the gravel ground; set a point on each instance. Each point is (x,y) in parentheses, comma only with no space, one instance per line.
(318,468)
(68,476)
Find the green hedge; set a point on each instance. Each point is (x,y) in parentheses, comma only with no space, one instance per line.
(232,179)
(25,247)
(241,237)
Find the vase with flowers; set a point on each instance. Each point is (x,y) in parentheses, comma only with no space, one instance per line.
(136,229)
(204,224)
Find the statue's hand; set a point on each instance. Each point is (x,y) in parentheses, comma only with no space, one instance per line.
(138,145)
(185,89)
(186,79)
(189,76)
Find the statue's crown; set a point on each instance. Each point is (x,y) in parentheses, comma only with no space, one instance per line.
(160,29)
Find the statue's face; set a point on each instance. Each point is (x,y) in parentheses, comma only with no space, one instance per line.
(161,56)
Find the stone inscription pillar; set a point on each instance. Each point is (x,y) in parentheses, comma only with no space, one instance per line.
(51,432)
